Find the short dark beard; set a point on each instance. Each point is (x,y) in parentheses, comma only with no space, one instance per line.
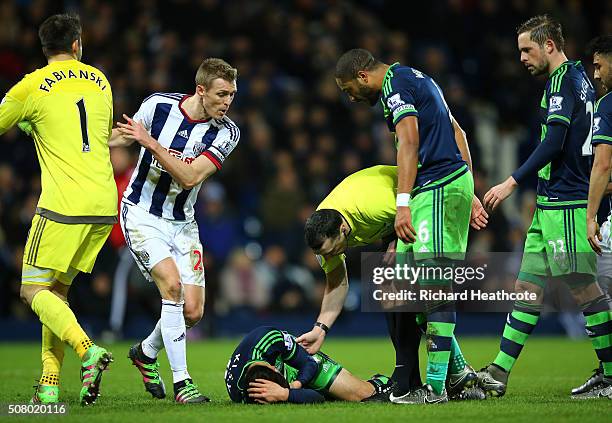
(540,71)
(371,95)
(607,84)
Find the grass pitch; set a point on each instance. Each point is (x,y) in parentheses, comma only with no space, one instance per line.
(538,391)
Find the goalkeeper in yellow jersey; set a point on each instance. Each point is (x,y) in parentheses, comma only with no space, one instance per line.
(67,108)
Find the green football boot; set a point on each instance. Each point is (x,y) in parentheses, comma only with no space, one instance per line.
(94,363)
(45,394)
(149,370)
(186,392)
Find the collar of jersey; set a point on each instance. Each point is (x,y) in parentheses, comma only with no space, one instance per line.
(599,101)
(558,68)
(185,113)
(64,62)
(387,73)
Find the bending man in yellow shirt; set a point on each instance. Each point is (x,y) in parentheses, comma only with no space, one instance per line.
(358,212)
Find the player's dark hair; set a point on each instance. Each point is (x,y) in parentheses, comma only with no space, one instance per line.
(214,68)
(542,28)
(600,45)
(58,32)
(353,61)
(323,224)
(258,371)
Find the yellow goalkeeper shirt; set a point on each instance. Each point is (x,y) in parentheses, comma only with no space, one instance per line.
(67,108)
(366,199)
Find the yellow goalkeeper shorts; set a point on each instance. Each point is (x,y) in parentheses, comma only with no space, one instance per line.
(60,246)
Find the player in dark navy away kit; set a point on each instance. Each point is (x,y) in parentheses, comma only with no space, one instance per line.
(269,366)
(435,194)
(556,246)
(185,139)
(600,383)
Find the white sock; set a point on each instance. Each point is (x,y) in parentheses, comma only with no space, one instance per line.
(154,343)
(173,333)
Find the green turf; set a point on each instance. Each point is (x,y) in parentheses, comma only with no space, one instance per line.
(538,389)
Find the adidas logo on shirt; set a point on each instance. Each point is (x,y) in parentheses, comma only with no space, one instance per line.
(183,133)
(180,338)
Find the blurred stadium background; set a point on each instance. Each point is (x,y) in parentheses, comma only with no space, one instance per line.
(299,139)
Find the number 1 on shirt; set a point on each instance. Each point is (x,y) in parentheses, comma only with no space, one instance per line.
(83,116)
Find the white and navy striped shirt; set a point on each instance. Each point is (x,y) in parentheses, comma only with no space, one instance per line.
(154,189)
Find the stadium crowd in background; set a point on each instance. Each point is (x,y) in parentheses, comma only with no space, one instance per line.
(299,135)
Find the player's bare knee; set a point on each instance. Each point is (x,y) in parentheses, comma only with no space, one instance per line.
(191,321)
(60,290)
(27,292)
(193,315)
(24,294)
(174,291)
(586,293)
(171,290)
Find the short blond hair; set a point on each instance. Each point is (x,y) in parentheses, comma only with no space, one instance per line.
(214,68)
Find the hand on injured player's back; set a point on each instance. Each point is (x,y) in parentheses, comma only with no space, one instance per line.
(136,131)
(496,195)
(265,391)
(312,341)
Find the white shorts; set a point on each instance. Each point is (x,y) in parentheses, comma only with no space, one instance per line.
(152,239)
(604,262)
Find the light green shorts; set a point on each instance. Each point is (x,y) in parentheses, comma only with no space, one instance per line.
(441,217)
(557,245)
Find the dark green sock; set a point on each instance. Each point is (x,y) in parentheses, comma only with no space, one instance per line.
(440,328)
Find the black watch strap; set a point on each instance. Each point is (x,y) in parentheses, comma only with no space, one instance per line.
(322,326)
